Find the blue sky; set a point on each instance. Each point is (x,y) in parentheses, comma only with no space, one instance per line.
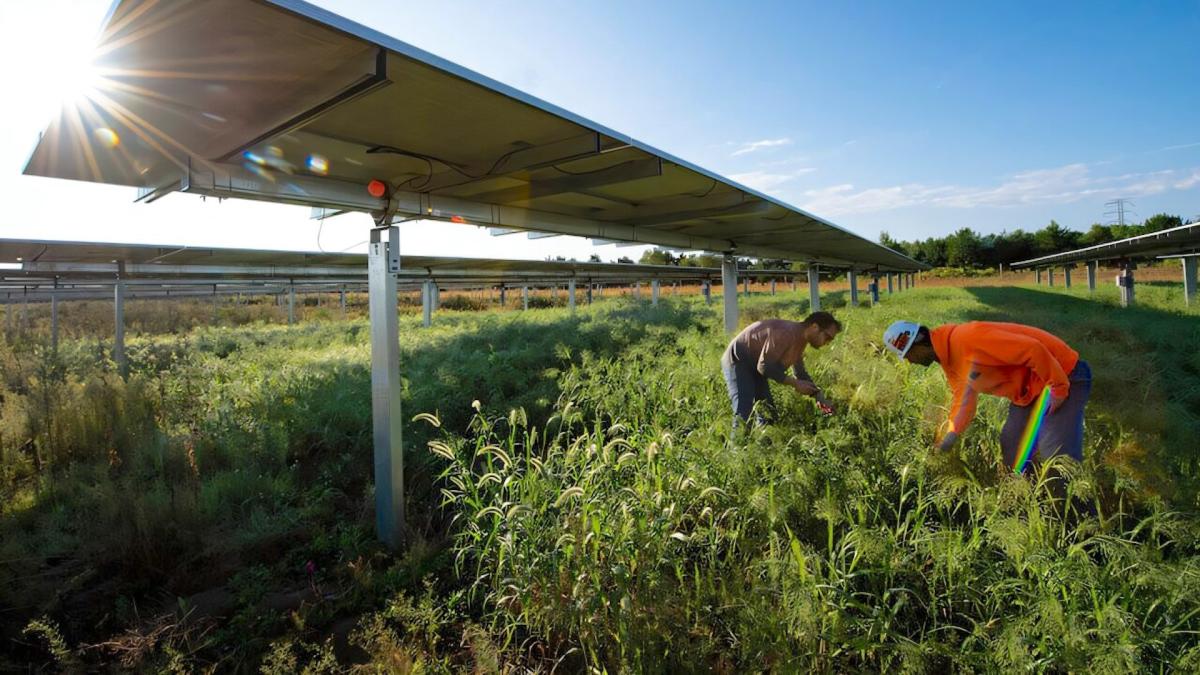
(915,118)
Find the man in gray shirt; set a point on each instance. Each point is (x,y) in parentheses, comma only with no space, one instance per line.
(765,350)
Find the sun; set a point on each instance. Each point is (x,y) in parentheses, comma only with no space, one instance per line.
(73,75)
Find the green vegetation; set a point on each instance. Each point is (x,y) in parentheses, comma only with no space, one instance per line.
(968,248)
(575,501)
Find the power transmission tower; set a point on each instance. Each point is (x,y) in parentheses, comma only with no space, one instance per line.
(1118,209)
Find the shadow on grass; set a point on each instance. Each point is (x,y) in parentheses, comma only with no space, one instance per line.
(1146,377)
(282,474)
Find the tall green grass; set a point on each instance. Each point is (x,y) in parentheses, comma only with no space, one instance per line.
(576,500)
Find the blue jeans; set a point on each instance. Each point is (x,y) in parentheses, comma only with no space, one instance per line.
(1062,430)
(746,386)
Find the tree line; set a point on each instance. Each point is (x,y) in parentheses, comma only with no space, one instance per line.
(964,248)
(968,248)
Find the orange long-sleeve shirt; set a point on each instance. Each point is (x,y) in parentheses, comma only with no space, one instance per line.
(1002,359)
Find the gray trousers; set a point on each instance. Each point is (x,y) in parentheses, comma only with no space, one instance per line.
(1062,430)
(747,387)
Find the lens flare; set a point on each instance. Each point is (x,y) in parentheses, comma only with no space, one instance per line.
(253,158)
(1032,427)
(317,164)
(107,137)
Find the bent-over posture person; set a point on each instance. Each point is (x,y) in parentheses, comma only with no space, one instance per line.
(1010,360)
(764,350)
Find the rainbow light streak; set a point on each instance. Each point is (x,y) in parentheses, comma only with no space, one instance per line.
(1032,428)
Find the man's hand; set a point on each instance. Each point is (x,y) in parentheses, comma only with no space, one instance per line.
(824,404)
(948,441)
(806,388)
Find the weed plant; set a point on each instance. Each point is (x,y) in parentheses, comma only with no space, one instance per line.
(577,500)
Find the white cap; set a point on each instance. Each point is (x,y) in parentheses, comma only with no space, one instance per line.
(899,337)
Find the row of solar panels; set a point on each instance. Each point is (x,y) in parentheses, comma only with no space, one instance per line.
(285,102)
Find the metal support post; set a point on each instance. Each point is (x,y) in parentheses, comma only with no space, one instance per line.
(119,327)
(342,301)
(654,290)
(503,295)
(590,288)
(772,287)
(853,278)
(437,296)
(427,303)
(383,263)
(890,282)
(1125,284)
(729,274)
(1091,275)
(54,322)
(524,297)
(1067,276)
(291,300)
(571,295)
(814,290)
(1038,272)
(793,283)
(1189,279)
(746,285)
(1050,276)
(874,288)
(706,290)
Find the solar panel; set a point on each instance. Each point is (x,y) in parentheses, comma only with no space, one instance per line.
(50,258)
(1175,241)
(285,102)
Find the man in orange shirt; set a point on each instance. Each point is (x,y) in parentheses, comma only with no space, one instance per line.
(1004,359)
(764,350)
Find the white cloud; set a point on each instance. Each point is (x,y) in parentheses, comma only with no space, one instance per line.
(755,146)
(765,181)
(1189,182)
(1064,184)
(1178,147)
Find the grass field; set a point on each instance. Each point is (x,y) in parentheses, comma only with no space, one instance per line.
(575,501)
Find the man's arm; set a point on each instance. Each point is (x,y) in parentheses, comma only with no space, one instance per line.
(801,373)
(962,411)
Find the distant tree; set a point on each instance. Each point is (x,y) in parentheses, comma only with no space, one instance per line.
(1055,238)
(658,256)
(1096,234)
(625,259)
(1161,221)
(1014,246)
(700,260)
(594,258)
(964,249)
(932,251)
(886,239)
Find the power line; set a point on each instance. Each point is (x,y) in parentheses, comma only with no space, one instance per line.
(1118,209)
